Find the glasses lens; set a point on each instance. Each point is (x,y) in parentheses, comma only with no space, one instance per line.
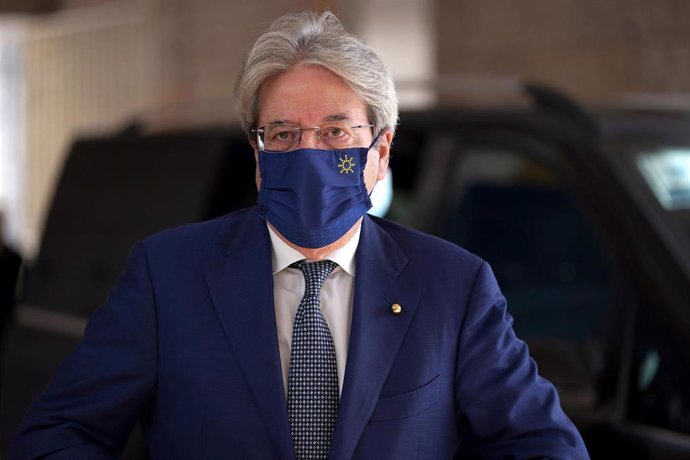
(337,136)
(280,138)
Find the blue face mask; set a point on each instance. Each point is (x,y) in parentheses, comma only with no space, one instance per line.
(311,196)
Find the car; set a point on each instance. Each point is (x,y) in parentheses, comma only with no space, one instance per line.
(584,218)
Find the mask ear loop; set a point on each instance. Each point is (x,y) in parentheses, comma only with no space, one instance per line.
(376,139)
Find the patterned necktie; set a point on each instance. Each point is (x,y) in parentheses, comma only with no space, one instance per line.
(313,394)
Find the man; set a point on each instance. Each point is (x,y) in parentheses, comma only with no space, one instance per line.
(303,328)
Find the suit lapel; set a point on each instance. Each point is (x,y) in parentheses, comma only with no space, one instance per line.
(241,285)
(375,335)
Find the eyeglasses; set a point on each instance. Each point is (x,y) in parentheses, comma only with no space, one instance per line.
(281,137)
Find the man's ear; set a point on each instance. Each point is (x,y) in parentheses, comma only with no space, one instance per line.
(257,173)
(252,142)
(384,147)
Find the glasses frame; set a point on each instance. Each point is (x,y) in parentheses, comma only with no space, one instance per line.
(258,132)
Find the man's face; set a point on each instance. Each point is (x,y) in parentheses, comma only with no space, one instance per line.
(310,96)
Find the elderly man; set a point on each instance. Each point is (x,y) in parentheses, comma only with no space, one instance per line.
(303,328)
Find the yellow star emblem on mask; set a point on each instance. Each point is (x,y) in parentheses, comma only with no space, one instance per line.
(346,164)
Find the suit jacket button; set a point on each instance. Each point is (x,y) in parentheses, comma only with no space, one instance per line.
(396,308)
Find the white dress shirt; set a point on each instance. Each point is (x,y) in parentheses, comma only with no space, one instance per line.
(336,298)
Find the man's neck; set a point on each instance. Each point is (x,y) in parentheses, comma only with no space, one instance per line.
(321,253)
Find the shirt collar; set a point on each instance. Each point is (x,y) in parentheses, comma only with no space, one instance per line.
(283,256)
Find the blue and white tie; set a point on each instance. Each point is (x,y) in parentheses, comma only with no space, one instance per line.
(313,394)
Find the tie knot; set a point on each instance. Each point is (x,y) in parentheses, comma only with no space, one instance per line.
(315,273)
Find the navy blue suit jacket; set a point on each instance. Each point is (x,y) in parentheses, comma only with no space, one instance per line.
(187,344)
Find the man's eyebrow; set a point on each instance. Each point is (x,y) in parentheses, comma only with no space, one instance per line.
(334,117)
(281,121)
(337,117)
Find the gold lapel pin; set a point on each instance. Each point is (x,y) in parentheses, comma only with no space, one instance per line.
(396,308)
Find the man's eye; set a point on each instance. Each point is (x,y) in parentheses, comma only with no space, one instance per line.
(282,136)
(335,132)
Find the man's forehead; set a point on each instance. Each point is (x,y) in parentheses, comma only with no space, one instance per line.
(335,117)
(308,95)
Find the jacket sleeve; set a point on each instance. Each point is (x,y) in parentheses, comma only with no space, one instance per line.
(508,410)
(93,401)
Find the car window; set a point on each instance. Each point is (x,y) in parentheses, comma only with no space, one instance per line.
(515,213)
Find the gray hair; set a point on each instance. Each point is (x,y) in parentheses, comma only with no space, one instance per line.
(307,38)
